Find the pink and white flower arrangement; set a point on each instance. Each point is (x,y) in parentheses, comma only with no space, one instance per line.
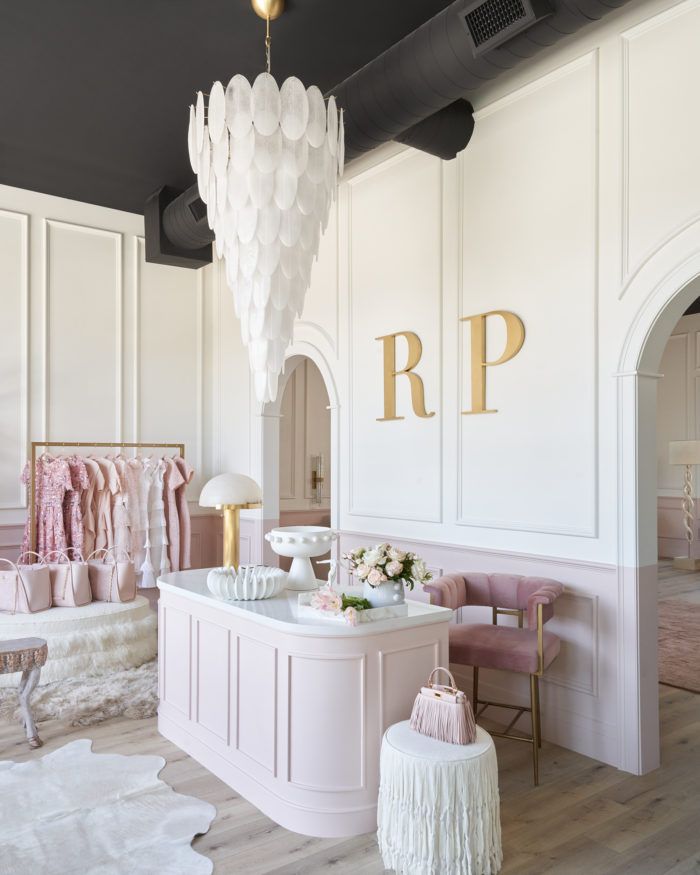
(328,601)
(382,563)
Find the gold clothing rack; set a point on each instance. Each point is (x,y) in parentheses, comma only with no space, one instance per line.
(74,444)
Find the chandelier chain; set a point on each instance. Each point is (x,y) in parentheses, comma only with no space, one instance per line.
(268,43)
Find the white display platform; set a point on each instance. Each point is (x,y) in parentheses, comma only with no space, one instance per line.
(95,639)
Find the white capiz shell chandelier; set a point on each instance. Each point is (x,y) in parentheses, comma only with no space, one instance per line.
(268,160)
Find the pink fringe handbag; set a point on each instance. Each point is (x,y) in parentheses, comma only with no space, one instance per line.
(70,581)
(444,713)
(113,581)
(25,589)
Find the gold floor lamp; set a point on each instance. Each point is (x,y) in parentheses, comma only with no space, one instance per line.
(231,493)
(686,453)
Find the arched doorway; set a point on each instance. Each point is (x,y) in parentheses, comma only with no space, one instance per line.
(306,357)
(305,455)
(669,297)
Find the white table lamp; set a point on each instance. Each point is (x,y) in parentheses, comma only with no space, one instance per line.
(231,493)
(686,453)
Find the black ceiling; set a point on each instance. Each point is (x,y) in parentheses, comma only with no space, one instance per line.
(96,92)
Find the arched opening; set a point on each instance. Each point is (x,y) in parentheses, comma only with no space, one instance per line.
(305,455)
(639,452)
(299,447)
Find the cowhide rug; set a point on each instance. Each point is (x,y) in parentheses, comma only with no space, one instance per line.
(73,810)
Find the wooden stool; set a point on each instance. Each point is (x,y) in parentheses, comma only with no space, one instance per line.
(439,808)
(26,655)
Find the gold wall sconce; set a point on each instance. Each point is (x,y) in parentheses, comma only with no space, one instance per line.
(317,479)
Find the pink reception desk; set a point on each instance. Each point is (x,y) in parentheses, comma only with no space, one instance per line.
(290,711)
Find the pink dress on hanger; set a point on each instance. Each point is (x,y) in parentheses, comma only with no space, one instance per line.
(120,512)
(72,505)
(103,504)
(96,484)
(53,480)
(156,559)
(183,511)
(134,485)
(172,480)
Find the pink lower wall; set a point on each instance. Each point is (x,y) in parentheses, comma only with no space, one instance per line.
(579,691)
(206,545)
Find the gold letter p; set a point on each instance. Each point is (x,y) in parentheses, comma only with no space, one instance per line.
(515,337)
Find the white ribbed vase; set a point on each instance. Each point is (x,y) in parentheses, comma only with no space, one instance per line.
(247,583)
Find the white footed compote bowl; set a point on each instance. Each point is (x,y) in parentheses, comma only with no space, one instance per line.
(246,583)
(300,543)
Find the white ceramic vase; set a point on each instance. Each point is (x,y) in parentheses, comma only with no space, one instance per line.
(301,543)
(247,583)
(390,592)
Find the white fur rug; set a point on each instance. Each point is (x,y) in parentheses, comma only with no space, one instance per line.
(98,814)
(132,693)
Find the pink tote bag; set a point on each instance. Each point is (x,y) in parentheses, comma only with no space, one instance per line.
(24,589)
(70,580)
(112,578)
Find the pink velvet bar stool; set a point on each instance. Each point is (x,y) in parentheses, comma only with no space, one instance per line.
(528,650)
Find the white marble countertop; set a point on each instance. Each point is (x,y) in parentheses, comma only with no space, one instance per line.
(282,613)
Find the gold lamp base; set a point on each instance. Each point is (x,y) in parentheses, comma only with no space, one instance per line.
(268,9)
(232,532)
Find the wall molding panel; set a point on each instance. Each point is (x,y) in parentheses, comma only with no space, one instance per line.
(640,245)
(567,98)
(15,362)
(93,276)
(78,353)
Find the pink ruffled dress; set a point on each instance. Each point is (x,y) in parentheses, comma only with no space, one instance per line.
(72,506)
(53,480)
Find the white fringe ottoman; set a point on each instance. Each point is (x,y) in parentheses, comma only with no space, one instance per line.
(439,809)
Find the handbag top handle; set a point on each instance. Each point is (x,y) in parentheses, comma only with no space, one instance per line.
(453,685)
(62,554)
(110,551)
(42,559)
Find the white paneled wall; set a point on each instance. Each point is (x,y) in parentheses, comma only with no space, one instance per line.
(575,203)
(525,249)
(14,364)
(576,197)
(97,344)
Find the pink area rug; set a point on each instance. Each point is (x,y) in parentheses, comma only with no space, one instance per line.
(679,644)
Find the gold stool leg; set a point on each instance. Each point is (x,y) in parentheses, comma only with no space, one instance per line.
(539,717)
(475,690)
(535,728)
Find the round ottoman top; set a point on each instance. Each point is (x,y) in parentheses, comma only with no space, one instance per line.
(407,741)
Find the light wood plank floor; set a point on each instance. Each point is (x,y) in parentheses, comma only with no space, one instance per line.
(681,585)
(584,818)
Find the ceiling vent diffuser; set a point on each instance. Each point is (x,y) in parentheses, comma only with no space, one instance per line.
(493,22)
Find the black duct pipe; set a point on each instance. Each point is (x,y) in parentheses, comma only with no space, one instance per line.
(441,62)
(444,133)
(412,93)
